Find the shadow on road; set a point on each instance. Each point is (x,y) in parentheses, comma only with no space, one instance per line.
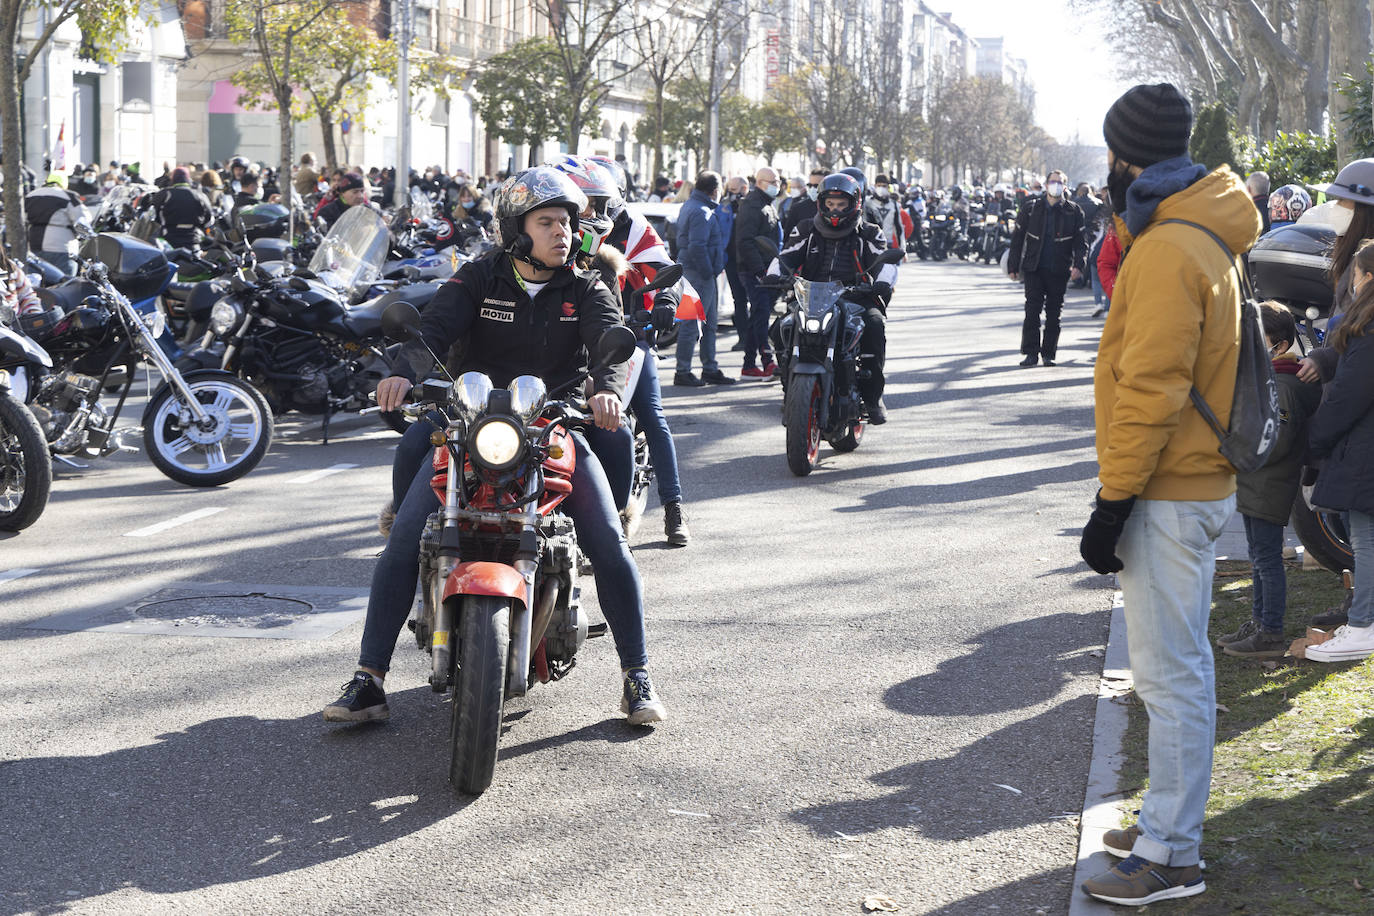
(959,797)
(227,800)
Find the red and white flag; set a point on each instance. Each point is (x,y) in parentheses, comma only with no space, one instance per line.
(59,150)
(689,308)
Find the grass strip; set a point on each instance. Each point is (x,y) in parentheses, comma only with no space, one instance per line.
(1290,820)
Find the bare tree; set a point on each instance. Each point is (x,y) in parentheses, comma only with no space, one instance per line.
(590,38)
(665,47)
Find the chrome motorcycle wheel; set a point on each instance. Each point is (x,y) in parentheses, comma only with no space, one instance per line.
(234,439)
(25,467)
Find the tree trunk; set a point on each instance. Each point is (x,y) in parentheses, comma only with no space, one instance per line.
(331,156)
(1247,107)
(1314,44)
(658,130)
(1351,45)
(16,235)
(1269,112)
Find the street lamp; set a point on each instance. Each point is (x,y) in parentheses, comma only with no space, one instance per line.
(401,195)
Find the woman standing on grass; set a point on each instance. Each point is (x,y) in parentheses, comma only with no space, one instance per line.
(1342,434)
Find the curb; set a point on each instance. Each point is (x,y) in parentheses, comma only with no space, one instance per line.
(1101,803)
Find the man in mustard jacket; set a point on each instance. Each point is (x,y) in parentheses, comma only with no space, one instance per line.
(1166,492)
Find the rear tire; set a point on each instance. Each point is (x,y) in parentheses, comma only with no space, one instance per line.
(851,438)
(25,466)
(484,641)
(1322,535)
(803,422)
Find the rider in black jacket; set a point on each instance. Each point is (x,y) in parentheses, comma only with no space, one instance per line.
(181,209)
(523,310)
(837,246)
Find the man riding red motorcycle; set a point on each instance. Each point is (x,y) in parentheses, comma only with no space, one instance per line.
(521,310)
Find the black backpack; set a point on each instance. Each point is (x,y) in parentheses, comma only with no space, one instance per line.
(1255,407)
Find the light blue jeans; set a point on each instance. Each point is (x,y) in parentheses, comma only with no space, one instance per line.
(688,332)
(1361,528)
(1169,552)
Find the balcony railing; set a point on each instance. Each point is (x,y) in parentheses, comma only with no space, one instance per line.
(476,40)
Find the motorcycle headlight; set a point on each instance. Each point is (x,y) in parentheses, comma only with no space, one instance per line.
(813,325)
(155,320)
(1313,313)
(470,394)
(497,443)
(224,317)
(527,396)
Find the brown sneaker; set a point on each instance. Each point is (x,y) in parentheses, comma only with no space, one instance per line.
(1247,629)
(1120,842)
(1135,882)
(1259,644)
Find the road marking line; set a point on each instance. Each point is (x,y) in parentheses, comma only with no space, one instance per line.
(323,472)
(174,522)
(10,575)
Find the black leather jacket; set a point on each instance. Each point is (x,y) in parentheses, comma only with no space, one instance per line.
(1066,224)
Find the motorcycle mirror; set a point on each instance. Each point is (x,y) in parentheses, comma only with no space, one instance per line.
(615,345)
(298,284)
(891,256)
(401,322)
(305,273)
(665,278)
(768,246)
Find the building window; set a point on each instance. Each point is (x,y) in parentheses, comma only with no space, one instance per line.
(137,80)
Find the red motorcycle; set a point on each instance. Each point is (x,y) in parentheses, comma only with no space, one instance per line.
(499,563)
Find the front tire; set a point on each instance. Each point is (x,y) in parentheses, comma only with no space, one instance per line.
(25,466)
(484,642)
(238,438)
(803,422)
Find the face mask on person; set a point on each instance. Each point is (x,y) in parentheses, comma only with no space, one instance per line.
(813,191)
(771,190)
(1055,189)
(794,193)
(469,204)
(880,191)
(1340,219)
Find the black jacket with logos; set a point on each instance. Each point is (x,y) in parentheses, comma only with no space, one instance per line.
(182,210)
(756,219)
(1066,225)
(1342,431)
(485,310)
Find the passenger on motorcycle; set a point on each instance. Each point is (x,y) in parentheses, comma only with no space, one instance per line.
(351,191)
(602,182)
(521,310)
(836,246)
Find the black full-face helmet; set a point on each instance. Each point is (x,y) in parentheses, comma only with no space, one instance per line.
(859,177)
(837,224)
(530,190)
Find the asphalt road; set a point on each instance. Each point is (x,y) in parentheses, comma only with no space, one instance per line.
(880,678)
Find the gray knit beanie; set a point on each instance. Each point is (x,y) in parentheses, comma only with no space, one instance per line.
(1149,124)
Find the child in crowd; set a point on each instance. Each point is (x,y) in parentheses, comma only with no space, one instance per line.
(1108,262)
(1342,435)
(1265,497)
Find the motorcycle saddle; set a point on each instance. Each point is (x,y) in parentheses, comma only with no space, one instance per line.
(366,320)
(69,295)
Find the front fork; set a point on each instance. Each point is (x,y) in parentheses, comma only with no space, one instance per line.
(152,352)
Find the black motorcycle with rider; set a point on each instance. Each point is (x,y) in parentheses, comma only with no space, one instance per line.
(832,342)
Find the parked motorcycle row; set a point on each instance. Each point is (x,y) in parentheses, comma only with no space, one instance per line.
(940,231)
(255,322)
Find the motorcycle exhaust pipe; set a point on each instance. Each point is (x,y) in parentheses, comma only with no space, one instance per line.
(543,613)
(440,649)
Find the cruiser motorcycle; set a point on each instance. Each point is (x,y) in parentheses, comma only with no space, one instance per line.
(25,468)
(201,428)
(499,563)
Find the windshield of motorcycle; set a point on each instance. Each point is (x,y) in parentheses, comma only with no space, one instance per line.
(119,196)
(421,207)
(815,298)
(354,250)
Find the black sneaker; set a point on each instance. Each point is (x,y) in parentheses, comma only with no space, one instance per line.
(639,702)
(362,701)
(1247,629)
(1046,361)
(1259,644)
(716,377)
(877,414)
(1030,360)
(687,380)
(674,525)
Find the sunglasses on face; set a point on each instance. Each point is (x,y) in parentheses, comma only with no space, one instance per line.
(813,186)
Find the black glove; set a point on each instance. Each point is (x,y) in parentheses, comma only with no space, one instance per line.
(663,317)
(1101,533)
(882,290)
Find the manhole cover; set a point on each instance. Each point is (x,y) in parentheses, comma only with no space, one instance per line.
(251,610)
(223,609)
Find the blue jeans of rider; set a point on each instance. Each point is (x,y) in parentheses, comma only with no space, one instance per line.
(761,300)
(688,332)
(1265,542)
(1168,549)
(618,586)
(647,402)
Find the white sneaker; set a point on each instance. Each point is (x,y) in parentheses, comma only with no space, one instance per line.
(1347,644)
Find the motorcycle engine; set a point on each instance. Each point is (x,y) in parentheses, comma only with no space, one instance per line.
(60,406)
(568,626)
